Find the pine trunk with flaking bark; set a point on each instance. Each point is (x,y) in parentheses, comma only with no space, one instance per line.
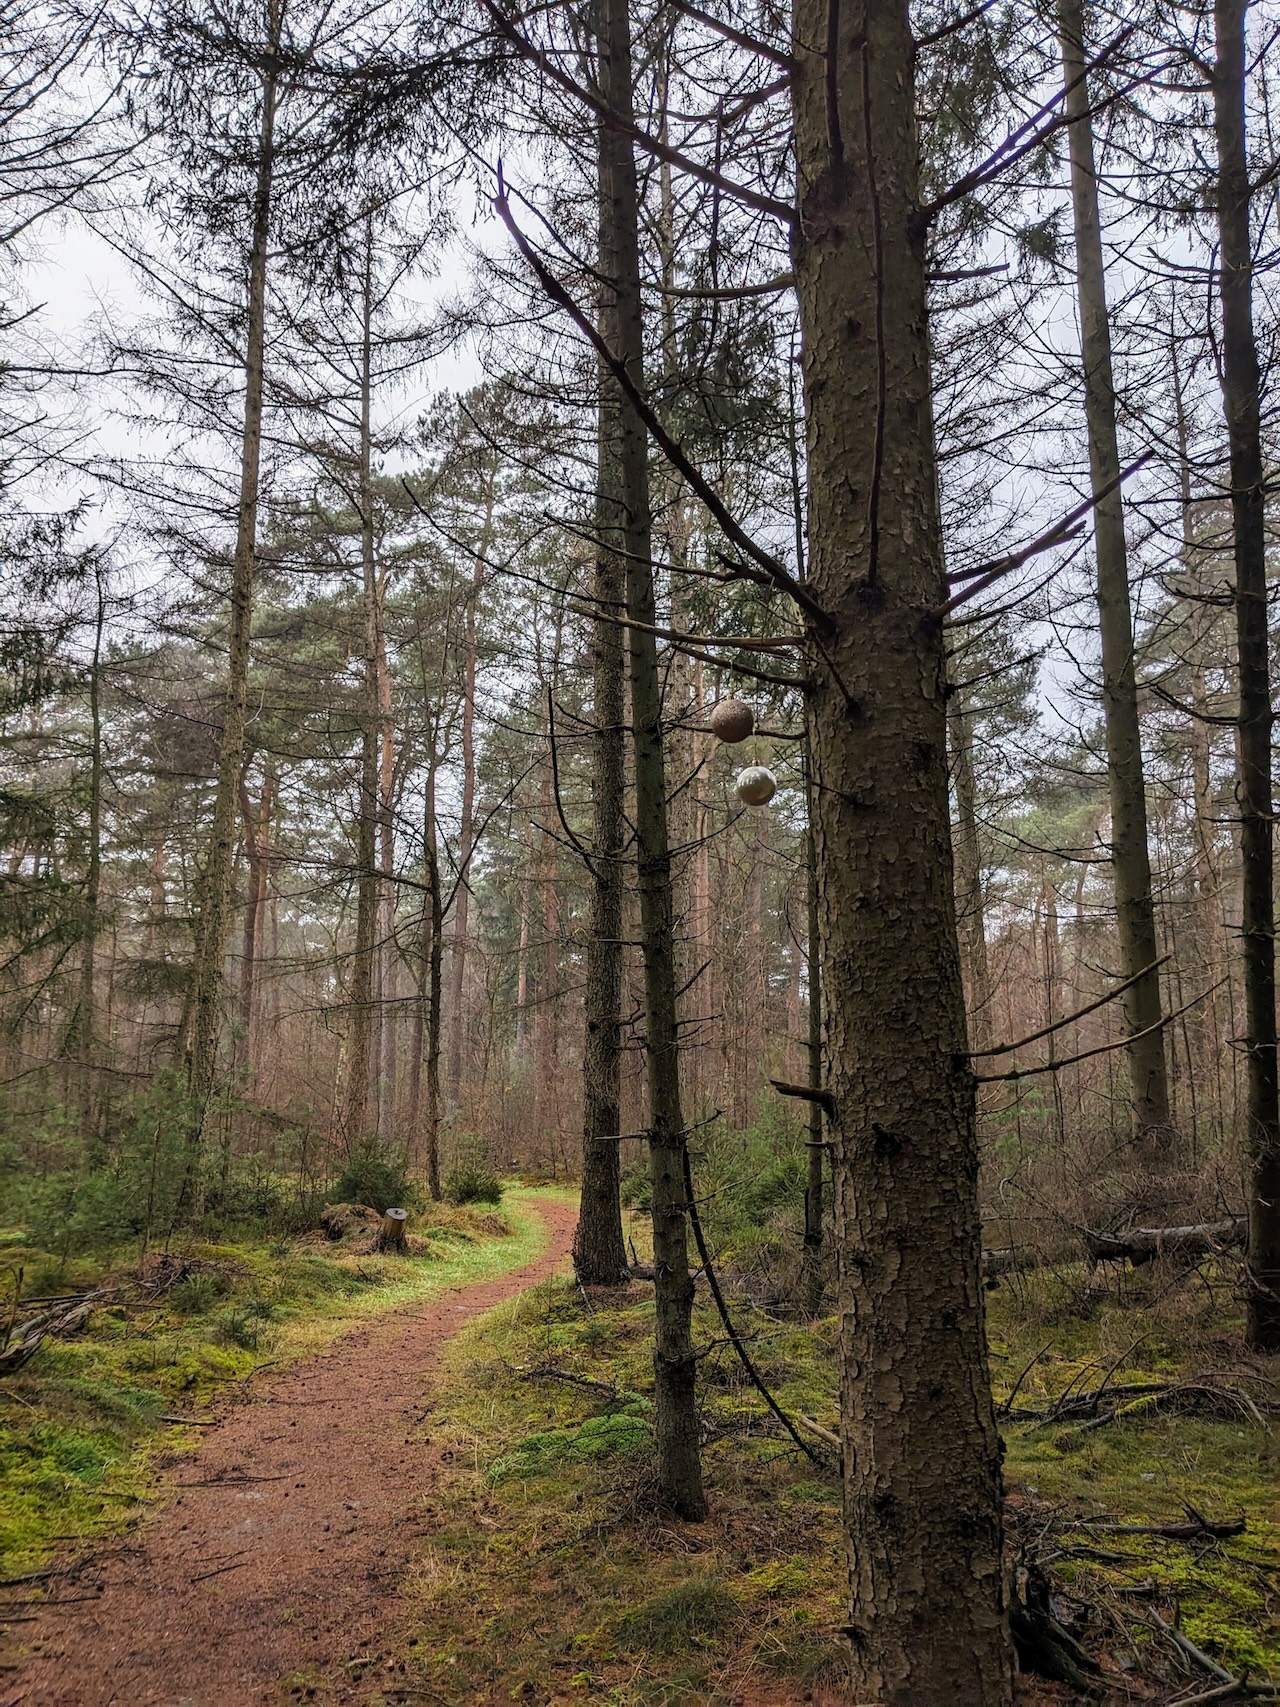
(466,825)
(922,1456)
(1241,403)
(675,1364)
(205,1003)
(967,846)
(1130,858)
(599,1248)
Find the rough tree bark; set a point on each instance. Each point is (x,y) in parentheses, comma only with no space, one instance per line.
(675,1364)
(1240,396)
(1209,935)
(388,952)
(599,1249)
(928,1621)
(200,1049)
(1130,859)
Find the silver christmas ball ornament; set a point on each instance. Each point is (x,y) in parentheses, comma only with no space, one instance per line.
(732,720)
(755,786)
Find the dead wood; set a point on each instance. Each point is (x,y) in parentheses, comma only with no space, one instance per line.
(1188,1647)
(1041,1643)
(1086,1402)
(548,1372)
(1145,1244)
(1195,1527)
(391,1231)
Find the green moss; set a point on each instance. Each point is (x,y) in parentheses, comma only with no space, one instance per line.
(1148,1465)
(618,1433)
(689,1614)
(78,1424)
(533,1576)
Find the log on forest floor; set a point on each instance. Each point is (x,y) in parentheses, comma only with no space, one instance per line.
(1145,1244)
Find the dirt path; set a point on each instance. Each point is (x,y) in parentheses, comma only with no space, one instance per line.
(280,1553)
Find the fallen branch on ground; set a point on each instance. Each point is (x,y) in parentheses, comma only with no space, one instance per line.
(548,1372)
(1196,1527)
(1145,1244)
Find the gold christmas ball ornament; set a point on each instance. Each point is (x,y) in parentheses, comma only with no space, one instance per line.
(732,720)
(755,786)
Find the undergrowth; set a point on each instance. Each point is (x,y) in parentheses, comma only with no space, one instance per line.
(82,1423)
(554,1578)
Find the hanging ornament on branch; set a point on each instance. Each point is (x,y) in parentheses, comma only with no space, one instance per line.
(732,720)
(756,786)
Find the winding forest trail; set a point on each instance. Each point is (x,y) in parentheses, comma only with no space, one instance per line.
(279,1552)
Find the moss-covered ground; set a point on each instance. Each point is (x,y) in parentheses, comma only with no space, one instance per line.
(554,1580)
(83,1423)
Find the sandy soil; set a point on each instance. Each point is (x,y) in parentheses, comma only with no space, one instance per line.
(278,1554)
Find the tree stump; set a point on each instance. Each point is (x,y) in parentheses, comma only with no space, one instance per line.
(391,1230)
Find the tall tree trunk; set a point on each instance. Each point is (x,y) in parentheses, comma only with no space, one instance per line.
(85,1013)
(1240,393)
(522,949)
(922,1455)
(434,983)
(547,1015)
(376,596)
(256,831)
(466,824)
(1130,859)
(363,1036)
(816,1147)
(675,1364)
(599,1249)
(205,1006)
(970,895)
(1208,930)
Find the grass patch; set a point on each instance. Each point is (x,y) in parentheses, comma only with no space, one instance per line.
(553,1577)
(81,1425)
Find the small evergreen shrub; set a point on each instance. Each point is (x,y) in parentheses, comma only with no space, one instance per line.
(376,1177)
(637,1189)
(198,1292)
(473,1182)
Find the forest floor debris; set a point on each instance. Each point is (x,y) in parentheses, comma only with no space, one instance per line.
(552,1579)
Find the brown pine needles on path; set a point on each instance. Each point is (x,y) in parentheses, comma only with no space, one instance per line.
(279,1554)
